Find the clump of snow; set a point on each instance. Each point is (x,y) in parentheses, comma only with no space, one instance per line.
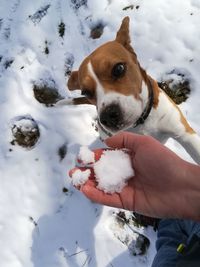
(80,177)
(39,14)
(25,124)
(86,156)
(25,131)
(111,171)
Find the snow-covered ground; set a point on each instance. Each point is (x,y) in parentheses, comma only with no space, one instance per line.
(44,221)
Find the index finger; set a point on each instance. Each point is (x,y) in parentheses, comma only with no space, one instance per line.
(124,140)
(93,193)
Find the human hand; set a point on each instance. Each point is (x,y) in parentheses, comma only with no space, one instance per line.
(161,185)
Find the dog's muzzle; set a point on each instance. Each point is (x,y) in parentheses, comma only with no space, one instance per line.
(111,117)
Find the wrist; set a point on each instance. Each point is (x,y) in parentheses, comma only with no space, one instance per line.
(191,205)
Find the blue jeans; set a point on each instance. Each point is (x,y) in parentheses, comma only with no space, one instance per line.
(171,233)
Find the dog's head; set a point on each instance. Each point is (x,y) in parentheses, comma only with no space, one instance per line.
(112,79)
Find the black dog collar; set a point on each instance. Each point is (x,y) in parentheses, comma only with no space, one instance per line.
(147,109)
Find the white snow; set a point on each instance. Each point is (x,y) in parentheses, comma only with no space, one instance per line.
(86,156)
(25,125)
(113,170)
(41,224)
(80,177)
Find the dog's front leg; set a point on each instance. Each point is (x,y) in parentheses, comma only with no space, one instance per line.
(172,123)
(182,132)
(73,101)
(81,101)
(191,142)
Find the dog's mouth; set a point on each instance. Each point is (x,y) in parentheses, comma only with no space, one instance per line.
(113,130)
(112,126)
(111,118)
(105,131)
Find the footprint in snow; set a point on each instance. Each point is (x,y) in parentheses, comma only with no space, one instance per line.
(25,132)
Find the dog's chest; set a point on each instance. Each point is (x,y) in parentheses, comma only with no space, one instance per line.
(163,121)
(150,129)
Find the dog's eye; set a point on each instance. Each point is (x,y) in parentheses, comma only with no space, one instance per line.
(87,93)
(118,70)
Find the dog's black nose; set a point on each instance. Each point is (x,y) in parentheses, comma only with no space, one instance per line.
(111,116)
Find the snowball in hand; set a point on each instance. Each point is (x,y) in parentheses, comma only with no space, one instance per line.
(111,171)
(80,177)
(86,155)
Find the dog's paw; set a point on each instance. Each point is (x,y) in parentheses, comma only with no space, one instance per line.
(128,234)
(65,102)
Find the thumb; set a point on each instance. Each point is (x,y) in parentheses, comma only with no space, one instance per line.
(124,140)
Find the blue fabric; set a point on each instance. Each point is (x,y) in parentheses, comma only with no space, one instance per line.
(171,233)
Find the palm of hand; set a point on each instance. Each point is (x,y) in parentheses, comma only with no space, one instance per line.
(152,191)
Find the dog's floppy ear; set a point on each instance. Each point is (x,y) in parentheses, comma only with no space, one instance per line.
(73,82)
(123,36)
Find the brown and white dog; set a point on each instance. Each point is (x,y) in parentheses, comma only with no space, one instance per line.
(127,98)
